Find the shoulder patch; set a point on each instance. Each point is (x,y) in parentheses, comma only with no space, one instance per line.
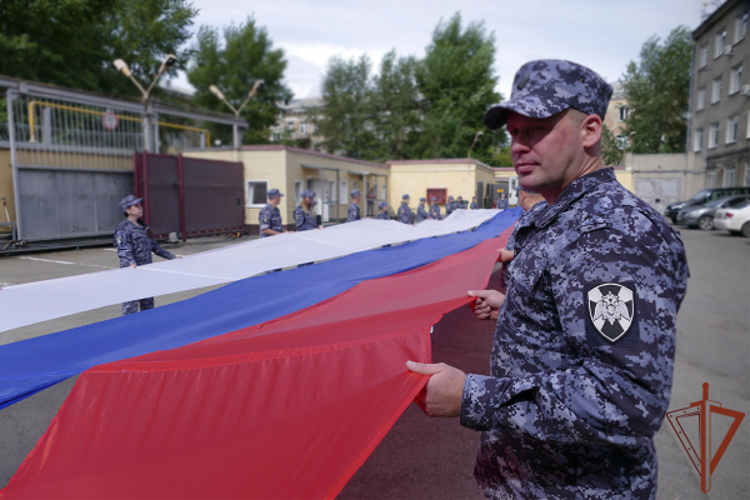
(611,310)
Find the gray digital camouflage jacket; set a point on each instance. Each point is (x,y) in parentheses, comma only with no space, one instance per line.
(270,218)
(583,354)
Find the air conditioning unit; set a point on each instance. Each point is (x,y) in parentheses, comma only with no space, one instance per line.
(746,90)
(727,50)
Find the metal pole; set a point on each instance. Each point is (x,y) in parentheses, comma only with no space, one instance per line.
(10,97)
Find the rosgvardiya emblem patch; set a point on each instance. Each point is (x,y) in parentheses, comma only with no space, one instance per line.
(611,309)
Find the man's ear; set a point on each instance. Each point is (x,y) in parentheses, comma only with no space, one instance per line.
(591,131)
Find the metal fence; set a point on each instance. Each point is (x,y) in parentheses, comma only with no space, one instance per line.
(72,154)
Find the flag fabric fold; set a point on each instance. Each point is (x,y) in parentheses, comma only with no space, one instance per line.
(288,408)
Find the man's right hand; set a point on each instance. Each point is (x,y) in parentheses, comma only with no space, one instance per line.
(487,304)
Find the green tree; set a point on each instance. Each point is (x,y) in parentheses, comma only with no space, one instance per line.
(234,64)
(346,118)
(458,84)
(395,107)
(657,89)
(73,42)
(611,153)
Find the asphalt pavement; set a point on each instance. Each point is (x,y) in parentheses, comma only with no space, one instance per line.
(423,458)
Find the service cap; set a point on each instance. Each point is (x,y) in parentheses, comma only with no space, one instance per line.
(546,87)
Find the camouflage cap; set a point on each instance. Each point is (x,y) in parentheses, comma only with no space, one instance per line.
(546,87)
(355,193)
(274,193)
(405,197)
(307,193)
(423,199)
(129,201)
(382,205)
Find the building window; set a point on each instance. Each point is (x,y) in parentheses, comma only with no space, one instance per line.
(716,91)
(303,127)
(735,79)
(698,141)
(354,185)
(385,192)
(297,192)
(257,193)
(701,99)
(275,137)
(711,180)
(624,114)
(747,174)
(703,61)
(733,129)
(713,135)
(290,125)
(719,42)
(740,28)
(344,190)
(729,178)
(747,129)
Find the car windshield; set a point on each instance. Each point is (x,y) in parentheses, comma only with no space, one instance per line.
(700,196)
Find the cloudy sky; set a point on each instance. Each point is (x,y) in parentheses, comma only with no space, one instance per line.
(602,34)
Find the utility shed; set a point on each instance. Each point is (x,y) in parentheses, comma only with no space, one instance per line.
(292,170)
(442,178)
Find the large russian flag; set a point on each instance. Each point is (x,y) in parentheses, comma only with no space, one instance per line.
(288,407)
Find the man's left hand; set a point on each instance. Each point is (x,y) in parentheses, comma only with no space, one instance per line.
(443,393)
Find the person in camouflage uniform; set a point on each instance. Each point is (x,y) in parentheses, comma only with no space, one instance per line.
(135,243)
(473,205)
(270,216)
(354,213)
(405,214)
(460,205)
(422,213)
(583,353)
(450,206)
(435,210)
(304,216)
(383,214)
(502,203)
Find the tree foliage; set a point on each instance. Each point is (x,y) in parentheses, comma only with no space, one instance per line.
(429,108)
(73,42)
(458,84)
(657,89)
(234,63)
(611,153)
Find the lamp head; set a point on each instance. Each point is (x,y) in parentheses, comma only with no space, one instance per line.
(169,61)
(257,85)
(215,91)
(122,66)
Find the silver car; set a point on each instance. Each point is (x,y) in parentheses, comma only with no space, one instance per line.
(703,216)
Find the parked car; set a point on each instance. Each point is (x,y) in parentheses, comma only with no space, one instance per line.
(736,220)
(703,217)
(701,198)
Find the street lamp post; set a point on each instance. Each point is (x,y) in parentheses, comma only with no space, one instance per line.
(235,129)
(476,138)
(149,134)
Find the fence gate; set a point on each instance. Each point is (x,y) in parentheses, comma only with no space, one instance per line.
(190,196)
(72,158)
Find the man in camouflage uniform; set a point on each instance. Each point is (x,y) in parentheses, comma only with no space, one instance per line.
(135,243)
(460,205)
(270,216)
(354,213)
(583,354)
(473,205)
(435,210)
(450,206)
(405,214)
(502,203)
(422,213)
(383,214)
(304,216)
